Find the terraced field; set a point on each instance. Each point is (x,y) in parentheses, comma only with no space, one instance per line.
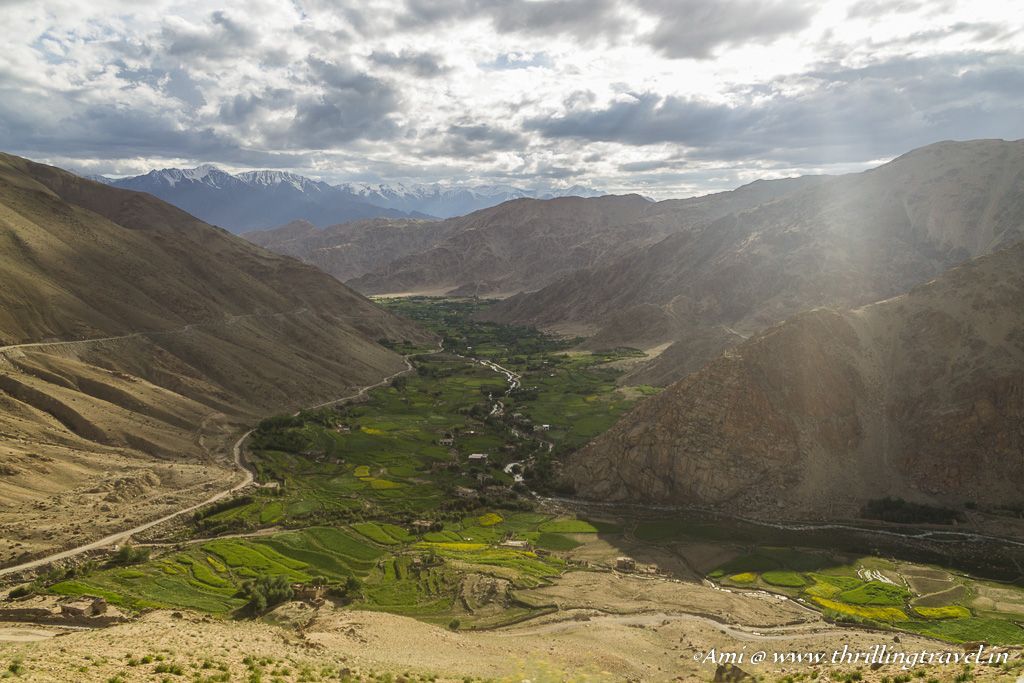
(380,502)
(208,576)
(877,592)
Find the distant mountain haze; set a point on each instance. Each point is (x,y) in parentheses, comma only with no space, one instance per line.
(257,200)
(521,245)
(350,250)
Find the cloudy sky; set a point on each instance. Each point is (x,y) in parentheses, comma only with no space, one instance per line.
(666,97)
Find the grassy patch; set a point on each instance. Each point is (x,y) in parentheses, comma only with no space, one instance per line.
(992,631)
(884,614)
(743,578)
(569,526)
(786,579)
(944,612)
(551,541)
(385,534)
(490,519)
(875,593)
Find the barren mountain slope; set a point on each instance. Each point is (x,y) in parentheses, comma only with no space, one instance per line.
(920,396)
(349,250)
(183,329)
(526,244)
(843,242)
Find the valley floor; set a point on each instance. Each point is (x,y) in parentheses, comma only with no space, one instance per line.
(431,512)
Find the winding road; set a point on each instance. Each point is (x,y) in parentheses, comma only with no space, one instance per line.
(567,622)
(128,533)
(239,462)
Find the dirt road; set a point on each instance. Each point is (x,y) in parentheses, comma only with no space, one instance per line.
(247,479)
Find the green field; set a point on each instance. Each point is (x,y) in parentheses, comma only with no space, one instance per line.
(850,590)
(379,500)
(208,576)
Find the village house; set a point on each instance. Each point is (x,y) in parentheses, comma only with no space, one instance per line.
(463,492)
(516,543)
(421,526)
(478,457)
(309,593)
(447,441)
(625,564)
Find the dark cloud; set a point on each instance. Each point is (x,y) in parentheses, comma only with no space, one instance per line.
(422,64)
(651,165)
(108,131)
(877,8)
(468,139)
(582,19)
(694,28)
(352,105)
(222,37)
(973,31)
(647,118)
(243,109)
(839,114)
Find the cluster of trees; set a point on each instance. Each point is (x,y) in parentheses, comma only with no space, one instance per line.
(433,371)
(128,554)
(903,512)
(265,592)
(221,506)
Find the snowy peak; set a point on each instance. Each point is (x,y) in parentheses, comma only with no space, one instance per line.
(278,178)
(206,174)
(425,191)
(231,199)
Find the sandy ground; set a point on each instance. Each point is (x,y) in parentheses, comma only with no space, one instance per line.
(611,627)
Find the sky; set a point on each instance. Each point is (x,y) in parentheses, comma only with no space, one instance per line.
(669,98)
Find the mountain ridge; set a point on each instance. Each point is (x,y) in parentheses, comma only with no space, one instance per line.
(920,396)
(845,241)
(525,244)
(219,197)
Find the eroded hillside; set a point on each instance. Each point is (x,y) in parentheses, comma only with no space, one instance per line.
(133,337)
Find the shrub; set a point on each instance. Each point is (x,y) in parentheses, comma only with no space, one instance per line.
(902,512)
(129,554)
(23,591)
(166,668)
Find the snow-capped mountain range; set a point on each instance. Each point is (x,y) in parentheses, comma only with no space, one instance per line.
(261,199)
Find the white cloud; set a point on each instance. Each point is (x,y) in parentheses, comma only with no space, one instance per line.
(663,97)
